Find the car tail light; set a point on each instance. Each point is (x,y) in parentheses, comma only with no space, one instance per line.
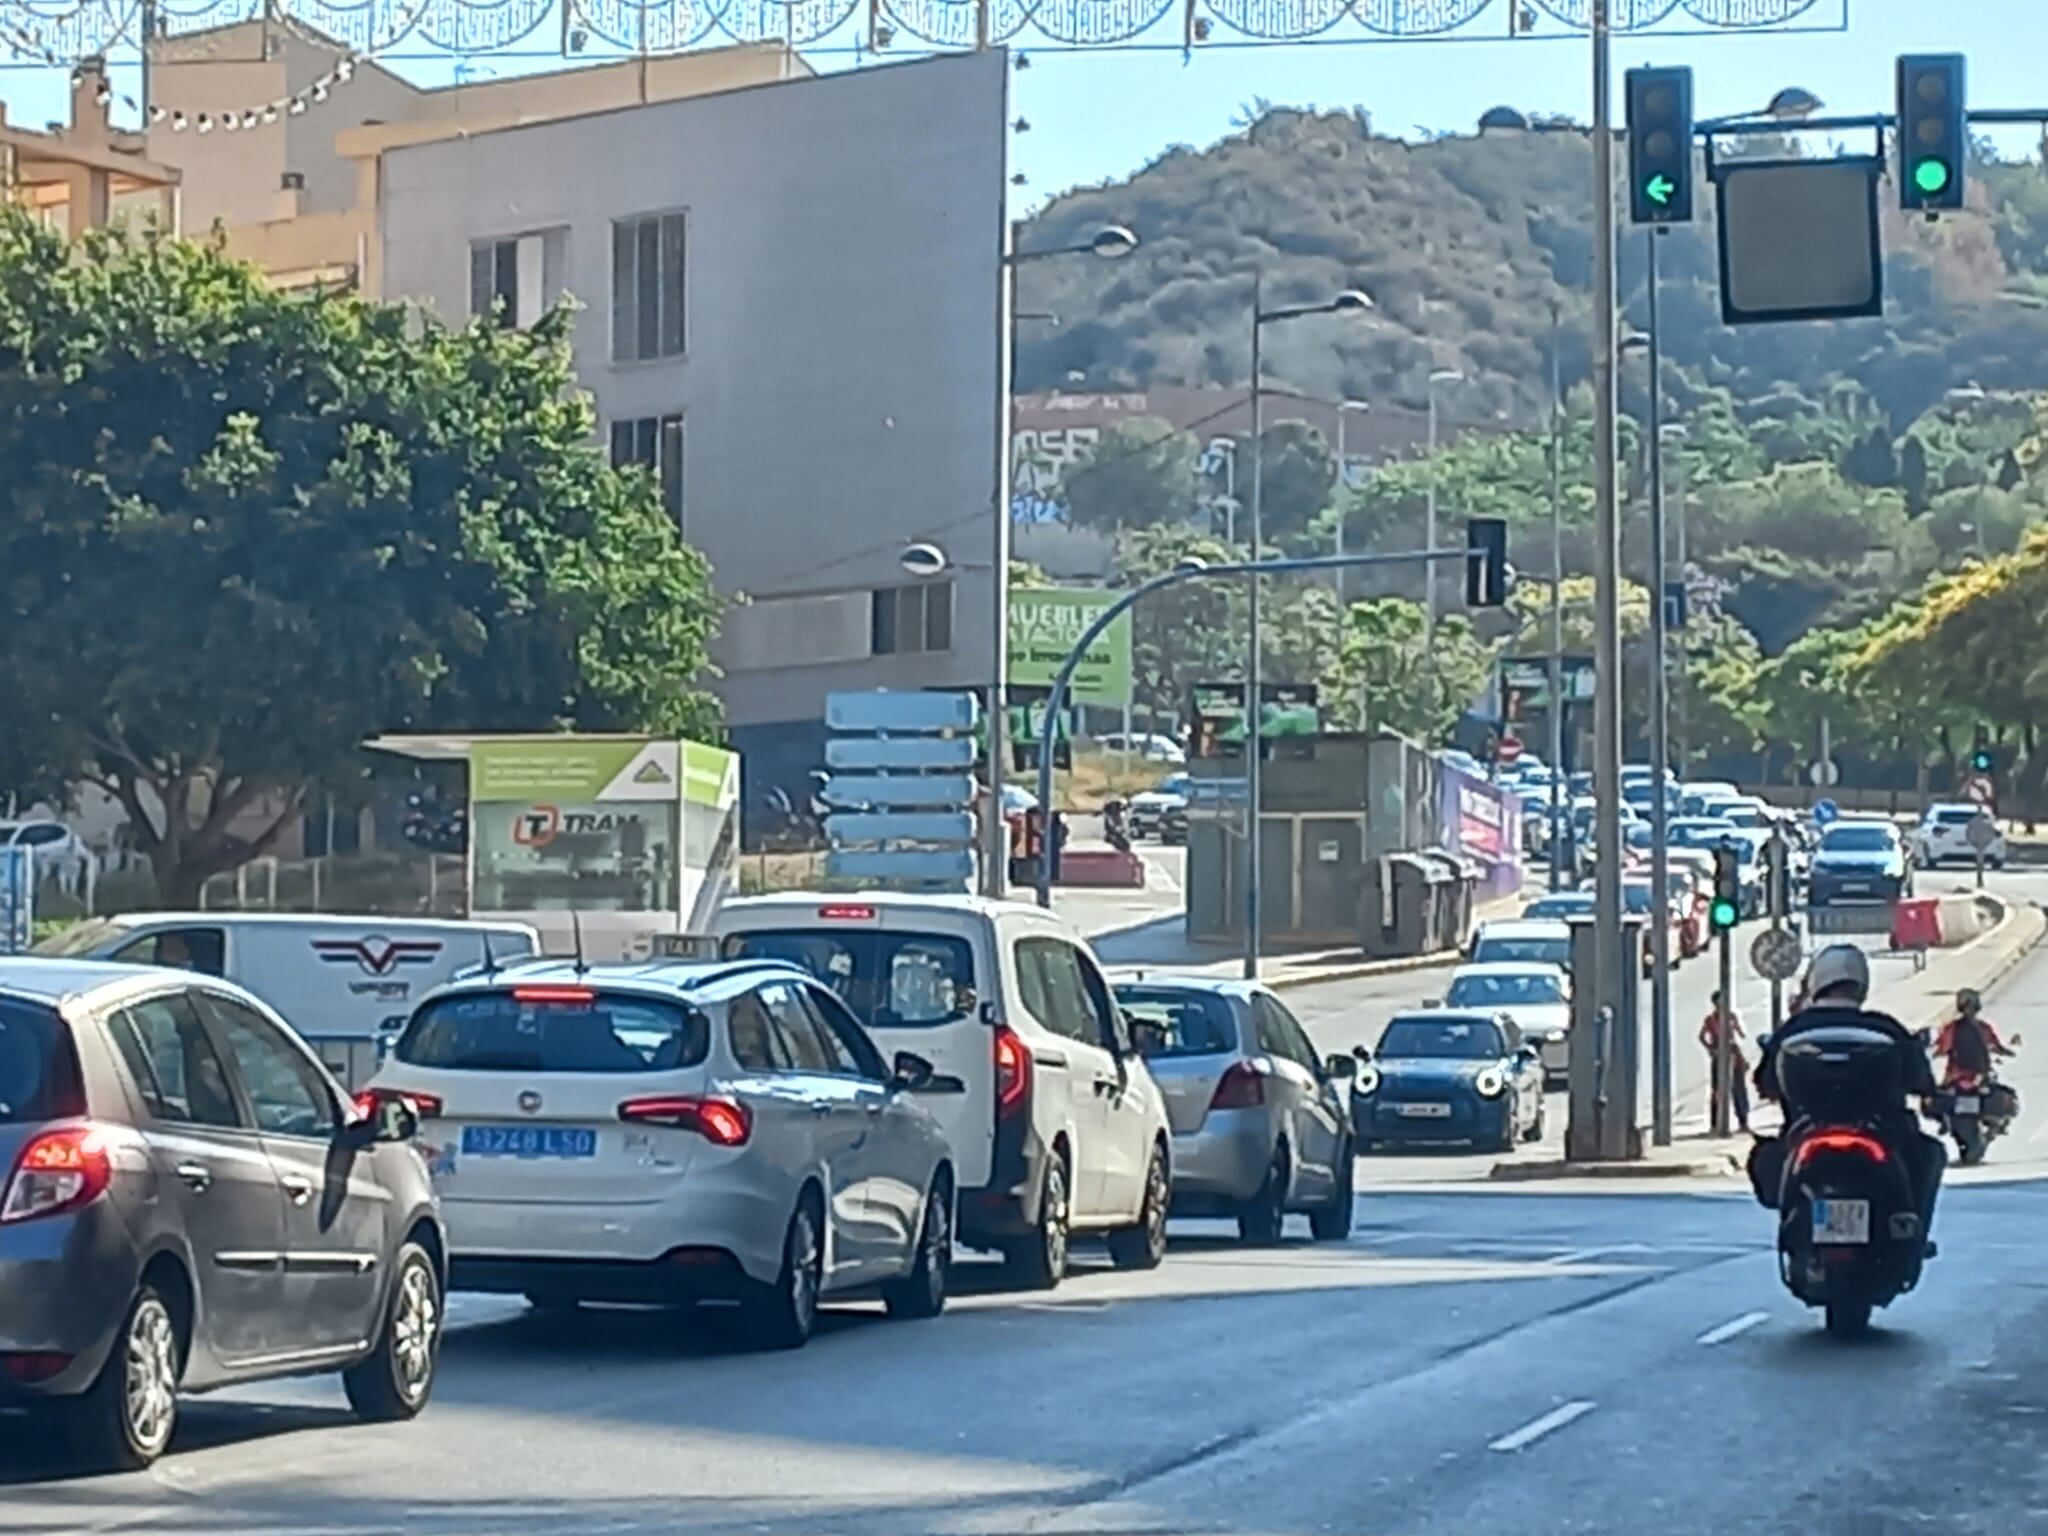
(722,1122)
(426,1106)
(59,1170)
(1841,1140)
(31,1366)
(846,912)
(569,996)
(1242,1087)
(1013,1071)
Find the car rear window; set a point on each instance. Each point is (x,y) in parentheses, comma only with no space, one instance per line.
(554,1029)
(38,1065)
(1192,1023)
(890,979)
(1956,816)
(1523,951)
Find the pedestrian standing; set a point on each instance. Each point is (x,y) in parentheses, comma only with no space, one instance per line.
(1721,1018)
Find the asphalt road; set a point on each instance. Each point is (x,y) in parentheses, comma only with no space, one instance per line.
(1474,1360)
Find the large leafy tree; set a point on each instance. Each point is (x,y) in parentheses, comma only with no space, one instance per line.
(247,529)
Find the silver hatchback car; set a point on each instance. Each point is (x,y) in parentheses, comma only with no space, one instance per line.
(1261,1126)
(191,1201)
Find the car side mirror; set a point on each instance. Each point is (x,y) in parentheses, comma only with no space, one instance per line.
(1341,1066)
(910,1071)
(392,1120)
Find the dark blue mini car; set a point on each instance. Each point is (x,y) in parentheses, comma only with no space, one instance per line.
(1449,1077)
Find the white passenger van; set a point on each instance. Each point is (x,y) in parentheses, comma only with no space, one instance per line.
(341,982)
(1054,1121)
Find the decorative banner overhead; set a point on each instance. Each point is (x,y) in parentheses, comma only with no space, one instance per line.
(40,31)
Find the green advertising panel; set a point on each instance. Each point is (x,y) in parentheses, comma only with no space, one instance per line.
(1045,623)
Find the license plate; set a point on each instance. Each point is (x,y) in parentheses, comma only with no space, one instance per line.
(528,1141)
(1969,1104)
(1424,1111)
(1841,1221)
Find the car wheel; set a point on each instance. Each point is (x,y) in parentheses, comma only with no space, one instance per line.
(922,1292)
(126,1418)
(1264,1216)
(1143,1245)
(1505,1140)
(784,1313)
(1039,1262)
(396,1378)
(1331,1222)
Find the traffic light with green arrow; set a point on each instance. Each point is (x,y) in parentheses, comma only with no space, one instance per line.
(1660,145)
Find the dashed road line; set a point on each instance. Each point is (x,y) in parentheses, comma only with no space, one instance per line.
(1536,1429)
(1732,1328)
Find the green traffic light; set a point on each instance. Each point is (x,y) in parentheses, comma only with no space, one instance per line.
(1723,914)
(1930,175)
(1659,189)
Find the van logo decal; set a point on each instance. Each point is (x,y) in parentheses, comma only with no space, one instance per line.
(376,955)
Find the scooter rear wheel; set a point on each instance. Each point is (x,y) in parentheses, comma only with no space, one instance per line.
(1848,1319)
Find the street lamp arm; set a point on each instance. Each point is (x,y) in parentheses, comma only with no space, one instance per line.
(1049,731)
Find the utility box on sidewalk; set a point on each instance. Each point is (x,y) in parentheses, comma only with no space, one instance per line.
(1606,1054)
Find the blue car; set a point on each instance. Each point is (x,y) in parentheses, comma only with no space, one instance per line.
(1447,1076)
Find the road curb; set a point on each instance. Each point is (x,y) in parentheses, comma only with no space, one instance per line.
(1366,968)
(1714,1165)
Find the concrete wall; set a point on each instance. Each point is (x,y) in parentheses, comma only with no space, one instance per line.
(843,291)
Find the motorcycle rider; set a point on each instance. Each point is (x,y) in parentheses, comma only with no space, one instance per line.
(1837,986)
(1968,1043)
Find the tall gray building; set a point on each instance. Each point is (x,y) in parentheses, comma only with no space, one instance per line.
(791,301)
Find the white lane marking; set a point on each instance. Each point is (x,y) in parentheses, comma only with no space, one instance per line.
(1536,1429)
(1732,1328)
(1587,1255)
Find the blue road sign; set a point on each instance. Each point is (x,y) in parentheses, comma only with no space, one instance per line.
(906,712)
(898,866)
(17,899)
(847,827)
(1826,813)
(924,791)
(913,753)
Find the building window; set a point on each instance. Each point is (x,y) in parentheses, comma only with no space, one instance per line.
(909,619)
(647,287)
(657,442)
(516,278)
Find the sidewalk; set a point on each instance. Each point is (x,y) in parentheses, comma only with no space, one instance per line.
(1920,999)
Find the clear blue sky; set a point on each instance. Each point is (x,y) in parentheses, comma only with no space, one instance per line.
(1100,115)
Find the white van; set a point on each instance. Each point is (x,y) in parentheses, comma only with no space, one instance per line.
(341,982)
(1053,1119)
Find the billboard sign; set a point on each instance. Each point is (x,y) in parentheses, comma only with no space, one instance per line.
(1045,625)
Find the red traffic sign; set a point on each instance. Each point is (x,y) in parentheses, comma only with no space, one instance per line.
(1509,752)
(1979,789)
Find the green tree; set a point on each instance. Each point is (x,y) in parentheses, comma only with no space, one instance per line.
(1191,633)
(1142,473)
(249,529)
(1299,478)
(1389,677)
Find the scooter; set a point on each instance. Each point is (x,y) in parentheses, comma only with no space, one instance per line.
(1976,1109)
(1850,1237)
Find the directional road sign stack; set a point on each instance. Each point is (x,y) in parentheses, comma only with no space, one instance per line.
(901,789)
(17,899)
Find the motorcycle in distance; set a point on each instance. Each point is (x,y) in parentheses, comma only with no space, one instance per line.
(1975,1108)
(1849,1229)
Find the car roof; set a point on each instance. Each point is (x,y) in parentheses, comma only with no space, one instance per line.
(695,981)
(61,979)
(1222,986)
(309,920)
(881,901)
(1447,1016)
(1507,968)
(1525,928)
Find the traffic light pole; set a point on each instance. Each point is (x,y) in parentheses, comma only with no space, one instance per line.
(1780,855)
(1724,1040)
(1660,743)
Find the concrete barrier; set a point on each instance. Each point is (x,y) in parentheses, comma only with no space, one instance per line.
(1963,919)
(1102,868)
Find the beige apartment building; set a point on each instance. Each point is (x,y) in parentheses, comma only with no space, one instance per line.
(82,177)
(297,189)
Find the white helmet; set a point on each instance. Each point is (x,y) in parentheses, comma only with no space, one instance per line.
(1838,968)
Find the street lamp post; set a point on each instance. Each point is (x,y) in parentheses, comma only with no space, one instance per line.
(1437,376)
(1110,243)
(1660,745)
(1674,434)
(1344,411)
(1350,301)
(1556,839)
